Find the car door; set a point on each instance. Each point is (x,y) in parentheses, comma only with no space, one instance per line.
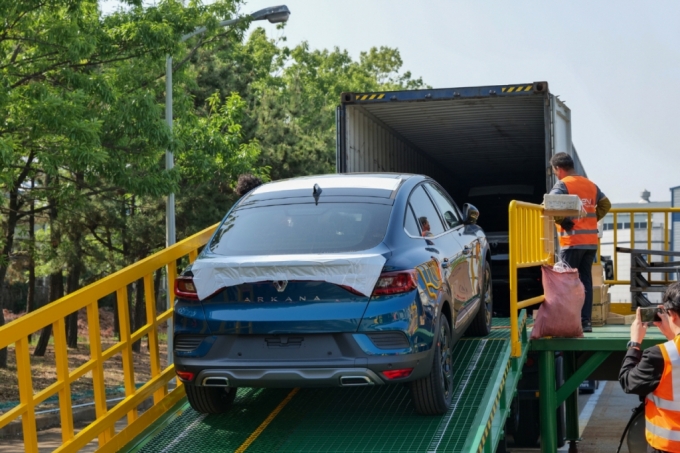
(465,275)
(449,250)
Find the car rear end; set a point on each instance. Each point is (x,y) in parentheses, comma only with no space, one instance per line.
(292,291)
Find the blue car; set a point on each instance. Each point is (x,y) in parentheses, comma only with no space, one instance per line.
(336,280)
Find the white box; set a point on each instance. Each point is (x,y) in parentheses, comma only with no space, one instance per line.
(561,202)
(562,205)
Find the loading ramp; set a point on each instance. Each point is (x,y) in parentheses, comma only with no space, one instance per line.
(362,419)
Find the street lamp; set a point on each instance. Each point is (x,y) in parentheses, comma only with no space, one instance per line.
(275,15)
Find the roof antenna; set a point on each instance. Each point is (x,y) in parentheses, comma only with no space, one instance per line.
(316,193)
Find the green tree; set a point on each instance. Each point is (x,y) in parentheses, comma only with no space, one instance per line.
(81,98)
(292,94)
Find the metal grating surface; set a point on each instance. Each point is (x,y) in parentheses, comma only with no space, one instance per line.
(368,419)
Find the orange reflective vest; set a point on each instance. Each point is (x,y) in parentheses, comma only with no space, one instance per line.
(662,406)
(584,233)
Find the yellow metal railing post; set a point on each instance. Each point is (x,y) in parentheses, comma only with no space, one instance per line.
(666,245)
(516,347)
(128,359)
(154,352)
(61,357)
(615,253)
(98,383)
(632,229)
(26,396)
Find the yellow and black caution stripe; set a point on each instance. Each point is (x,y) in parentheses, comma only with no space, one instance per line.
(369,97)
(493,410)
(517,89)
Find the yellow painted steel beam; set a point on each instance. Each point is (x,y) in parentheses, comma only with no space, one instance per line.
(616,254)
(63,378)
(128,360)
(643,210)
(529,302)
(139,333)
(154,351)
(48,391)
(12,414)
(28,425)
(98,383)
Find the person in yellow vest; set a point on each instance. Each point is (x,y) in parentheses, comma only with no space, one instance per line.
(655,375)
(578,236)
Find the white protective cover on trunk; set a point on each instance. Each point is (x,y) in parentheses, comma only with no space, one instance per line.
(358,271)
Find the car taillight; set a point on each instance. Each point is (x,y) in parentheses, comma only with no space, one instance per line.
(186,376)
(397,374)
(395,283)
(185,288)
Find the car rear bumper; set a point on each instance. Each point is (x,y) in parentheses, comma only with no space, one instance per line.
(288,377)
(323,360)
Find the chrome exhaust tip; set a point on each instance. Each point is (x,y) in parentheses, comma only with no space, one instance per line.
(355,381)
(215,382)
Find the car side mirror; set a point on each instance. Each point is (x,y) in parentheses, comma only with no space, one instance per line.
(470,214)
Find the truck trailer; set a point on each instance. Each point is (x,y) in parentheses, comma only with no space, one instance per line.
(486,146)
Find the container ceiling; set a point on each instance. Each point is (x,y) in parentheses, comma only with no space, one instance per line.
(502,138)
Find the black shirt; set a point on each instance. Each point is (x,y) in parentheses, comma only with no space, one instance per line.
(641,373)
(641,370)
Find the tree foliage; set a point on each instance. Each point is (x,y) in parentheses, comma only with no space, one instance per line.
(292,94)
(82,98)
(83,135)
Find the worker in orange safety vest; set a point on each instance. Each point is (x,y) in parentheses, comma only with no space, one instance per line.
(655,374)
(578,236)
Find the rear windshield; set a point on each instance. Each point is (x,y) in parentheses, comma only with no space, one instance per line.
(302,228)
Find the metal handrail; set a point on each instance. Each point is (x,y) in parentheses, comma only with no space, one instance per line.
(17,332)
(631,212)
(530,244)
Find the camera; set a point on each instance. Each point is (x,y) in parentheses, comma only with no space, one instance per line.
(650,314)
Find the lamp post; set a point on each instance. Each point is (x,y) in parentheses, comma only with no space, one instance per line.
(274,14)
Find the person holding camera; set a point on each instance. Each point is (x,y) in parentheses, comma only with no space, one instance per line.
(655,373)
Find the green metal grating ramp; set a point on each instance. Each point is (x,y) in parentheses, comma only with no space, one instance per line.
(366,419)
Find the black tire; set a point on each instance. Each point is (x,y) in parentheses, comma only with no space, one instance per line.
(432,394)
(502,446)
(481,324)
(210,400)
(529,428)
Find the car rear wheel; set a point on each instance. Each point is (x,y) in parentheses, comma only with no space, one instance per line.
(210,400)
(431,395)
(481,324)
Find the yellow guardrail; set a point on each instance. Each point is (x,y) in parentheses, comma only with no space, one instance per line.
(630,240)
(17,331)
(531,243)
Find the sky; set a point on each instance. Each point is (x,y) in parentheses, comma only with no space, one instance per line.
(616,64)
